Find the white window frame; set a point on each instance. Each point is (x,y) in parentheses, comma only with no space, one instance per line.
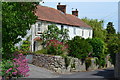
(74,30)
(89,33)
(82,32)
(38,27)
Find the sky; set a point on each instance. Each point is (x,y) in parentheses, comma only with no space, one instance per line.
(107,11)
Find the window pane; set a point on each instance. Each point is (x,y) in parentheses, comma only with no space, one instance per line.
(74,30)
(82,32)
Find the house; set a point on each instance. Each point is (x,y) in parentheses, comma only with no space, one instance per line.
(48,16)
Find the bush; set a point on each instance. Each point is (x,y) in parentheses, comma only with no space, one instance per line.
(79,47)
(113,49)
(99,48)
(56,47)
(42,51)
(17,67)
(25,48)
(88,62)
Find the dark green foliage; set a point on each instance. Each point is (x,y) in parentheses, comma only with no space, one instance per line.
(67,61)
(79,47)
(113,48)
(110,29)
(99,48)
(16,19)
(88,62)
(113,42)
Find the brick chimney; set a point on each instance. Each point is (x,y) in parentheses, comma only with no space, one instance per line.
(75,12)
(61,8)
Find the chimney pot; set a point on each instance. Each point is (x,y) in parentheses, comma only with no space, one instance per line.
(61,8)
(59,3)
(75,12)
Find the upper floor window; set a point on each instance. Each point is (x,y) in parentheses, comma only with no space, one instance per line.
(82,32)
(74,31)
(39,26)
(89,33)
(62,27)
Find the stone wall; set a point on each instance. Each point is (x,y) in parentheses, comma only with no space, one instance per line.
(62,64)
(117,66)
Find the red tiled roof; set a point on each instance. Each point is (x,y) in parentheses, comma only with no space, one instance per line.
(53,15)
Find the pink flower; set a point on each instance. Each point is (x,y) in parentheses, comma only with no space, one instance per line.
(21,54)
(9,70)
(14,73)
(27,75)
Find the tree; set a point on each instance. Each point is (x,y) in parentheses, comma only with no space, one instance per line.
(111,33)
(16,19)
(98,31)
(53,32)
(110,29)
(99,50)
(113,47)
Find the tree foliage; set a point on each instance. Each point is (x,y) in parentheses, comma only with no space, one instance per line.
(98,31)
(79,47)
(99,50)
(110,29)
(17,18)
(113,42)
(54,32)
(113,47)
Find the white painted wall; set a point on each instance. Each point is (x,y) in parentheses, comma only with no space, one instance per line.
(78,31)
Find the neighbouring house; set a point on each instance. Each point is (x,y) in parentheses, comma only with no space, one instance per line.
(47,16)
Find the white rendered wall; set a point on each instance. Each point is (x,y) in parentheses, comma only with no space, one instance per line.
(87,31)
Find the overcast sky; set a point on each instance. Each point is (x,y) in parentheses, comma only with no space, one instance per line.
(107,11)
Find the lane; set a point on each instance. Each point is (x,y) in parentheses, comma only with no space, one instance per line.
(105,73)
(38,72)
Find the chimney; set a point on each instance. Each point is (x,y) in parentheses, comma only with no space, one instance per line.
(61,8)
(75,13)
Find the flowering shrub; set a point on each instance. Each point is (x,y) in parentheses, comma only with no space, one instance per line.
(17,67)
(25,47)
(56,47)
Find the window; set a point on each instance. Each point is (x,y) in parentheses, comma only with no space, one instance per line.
(39,26)
(62,27)
(74,31)
(82,32)
(67,27)
(89,33)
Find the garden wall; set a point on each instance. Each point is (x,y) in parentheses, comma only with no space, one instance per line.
(63,65)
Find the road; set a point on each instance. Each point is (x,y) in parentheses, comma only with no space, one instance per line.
(38,72)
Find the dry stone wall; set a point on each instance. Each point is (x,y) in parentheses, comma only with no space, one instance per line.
(61,64)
